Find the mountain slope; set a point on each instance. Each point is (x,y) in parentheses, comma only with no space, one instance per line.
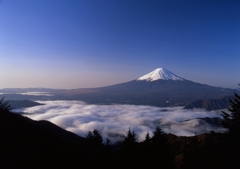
(157,88)
(210,104)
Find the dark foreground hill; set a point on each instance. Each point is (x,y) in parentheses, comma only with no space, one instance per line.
(25,143)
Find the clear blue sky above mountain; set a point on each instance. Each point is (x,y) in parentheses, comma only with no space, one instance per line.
(91,43)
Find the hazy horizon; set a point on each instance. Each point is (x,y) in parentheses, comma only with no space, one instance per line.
(103,85)
(85,44)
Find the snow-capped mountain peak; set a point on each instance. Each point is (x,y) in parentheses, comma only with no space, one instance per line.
(160,73)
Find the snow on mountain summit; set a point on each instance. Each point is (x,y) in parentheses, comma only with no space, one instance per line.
(160,73)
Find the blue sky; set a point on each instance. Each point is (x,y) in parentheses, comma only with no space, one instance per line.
(91,43)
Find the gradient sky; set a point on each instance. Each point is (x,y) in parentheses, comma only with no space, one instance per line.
(92,43)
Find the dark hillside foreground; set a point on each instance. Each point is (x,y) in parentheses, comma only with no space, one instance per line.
(25,143)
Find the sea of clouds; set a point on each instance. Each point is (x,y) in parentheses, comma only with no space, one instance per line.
(115,120)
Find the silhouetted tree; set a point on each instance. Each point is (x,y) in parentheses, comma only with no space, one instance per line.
(108,142)
(4,106)
(160,147)
(130,149)
(108,146)
(131,138)
(147,151)
(158,135)
(147,139)
(130,142)
(94,138)
(231,120)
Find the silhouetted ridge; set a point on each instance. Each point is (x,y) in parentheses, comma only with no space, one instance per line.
(25,143)
(22,103)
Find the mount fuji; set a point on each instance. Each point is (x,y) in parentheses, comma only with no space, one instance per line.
(160,88)
(157,88)
(160,74)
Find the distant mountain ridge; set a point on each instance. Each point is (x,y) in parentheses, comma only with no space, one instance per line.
(158,88)
(210,104)
(16,104)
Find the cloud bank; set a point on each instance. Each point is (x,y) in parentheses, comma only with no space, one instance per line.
(114,120)
(36,93)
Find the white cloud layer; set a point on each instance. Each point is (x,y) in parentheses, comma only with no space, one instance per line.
(114,120)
